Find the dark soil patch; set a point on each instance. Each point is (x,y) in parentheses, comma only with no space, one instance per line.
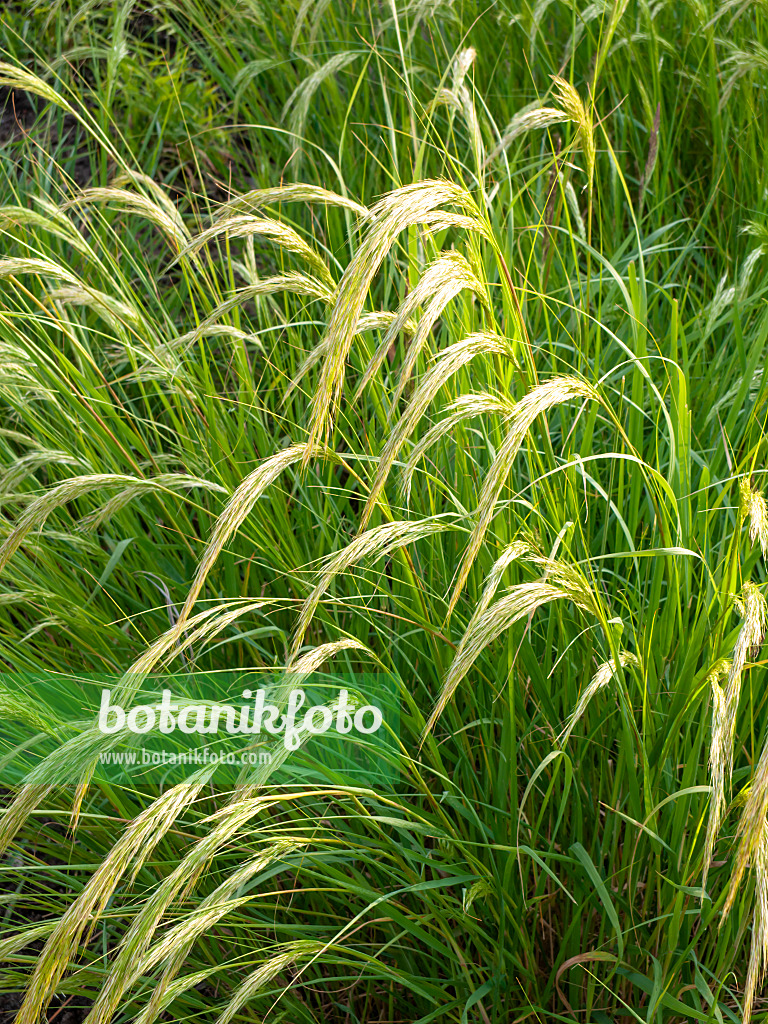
(18,115)
(17,119)
(67,1010)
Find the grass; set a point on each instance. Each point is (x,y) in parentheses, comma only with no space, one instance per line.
(488,410)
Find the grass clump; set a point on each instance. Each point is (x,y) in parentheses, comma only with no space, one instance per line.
(426,336)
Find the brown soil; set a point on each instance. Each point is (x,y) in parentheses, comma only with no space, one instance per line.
(65,1010)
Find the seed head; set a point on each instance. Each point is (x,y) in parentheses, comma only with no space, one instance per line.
(752,507)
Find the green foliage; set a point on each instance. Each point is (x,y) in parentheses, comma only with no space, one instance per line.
(491,406)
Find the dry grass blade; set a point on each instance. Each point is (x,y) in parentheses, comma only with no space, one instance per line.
(20,940)
(367,322)
(751,829)
(543,397)
(75,760)
(79,757)
(297,105)
(36,513)
(176,885)
(572,104)
(447,362)
(725,294)
(164,995)
(717,759)
(753,508)
(517,549)
(744,61)
(51,221)
(525,121)
(18,78)
(754,610)
(759,231)
(573,205)
(30,265)
(571,109)
(166,482)
(459,98)
(23,467)
(114,311)
(297,284)
(312,660)
(753,849)
(14,708)
(298,25)
(196,629)
(462,62)
(136,958)
(161,197)
(653,152)
(758,955)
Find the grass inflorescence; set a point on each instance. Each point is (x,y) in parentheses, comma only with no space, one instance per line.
(428,336)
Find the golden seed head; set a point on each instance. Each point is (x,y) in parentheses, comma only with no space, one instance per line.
(752,507)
